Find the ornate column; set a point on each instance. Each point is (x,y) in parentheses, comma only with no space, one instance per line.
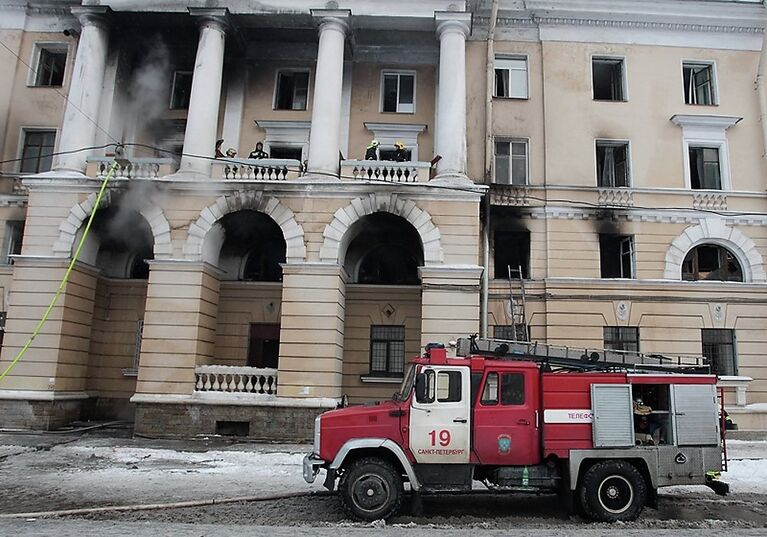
(452,29)
(78,130)
(325,134)
(202,120)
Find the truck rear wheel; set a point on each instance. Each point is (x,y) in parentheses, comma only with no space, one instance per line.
(371,489)
(613,490)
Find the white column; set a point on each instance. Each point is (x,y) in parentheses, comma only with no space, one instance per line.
(78,130)
(324,137)
(202,119)
(452,29)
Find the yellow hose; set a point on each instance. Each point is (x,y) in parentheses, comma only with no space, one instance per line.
(66,275)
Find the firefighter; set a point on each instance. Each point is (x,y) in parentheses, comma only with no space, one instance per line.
(400,154)
(219,153)
(231,152)
(258,152)
(371,151)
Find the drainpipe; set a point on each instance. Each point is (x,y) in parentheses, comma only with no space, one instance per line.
(761,92)
(490,73)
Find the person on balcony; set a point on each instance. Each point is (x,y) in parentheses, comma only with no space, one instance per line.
(371,151)
(400,153)
(219,153)
(258,152)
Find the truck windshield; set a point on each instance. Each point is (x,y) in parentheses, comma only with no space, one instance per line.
(407,383)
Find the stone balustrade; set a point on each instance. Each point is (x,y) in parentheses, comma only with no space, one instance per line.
(509,195)
(268,169)
(385,170)
(134,168)
(738,384)
(233,379)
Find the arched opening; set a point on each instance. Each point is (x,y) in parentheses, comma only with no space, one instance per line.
(385,250)
(119,244)
(383,303)
(251,253)
(711,262)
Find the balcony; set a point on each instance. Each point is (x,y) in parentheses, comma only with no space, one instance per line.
(252,382)
(385,170)
(268,169)
(135,168)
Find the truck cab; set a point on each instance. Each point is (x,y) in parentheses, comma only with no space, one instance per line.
(514,425)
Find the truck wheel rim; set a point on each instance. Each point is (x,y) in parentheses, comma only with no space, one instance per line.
(615,494)
(370,492)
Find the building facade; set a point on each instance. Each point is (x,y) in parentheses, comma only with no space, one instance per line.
(575,172)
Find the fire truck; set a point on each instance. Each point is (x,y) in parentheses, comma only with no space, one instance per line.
(603,429)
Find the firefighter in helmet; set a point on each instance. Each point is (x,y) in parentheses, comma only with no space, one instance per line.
(371,151)
(400,153)
(258,152)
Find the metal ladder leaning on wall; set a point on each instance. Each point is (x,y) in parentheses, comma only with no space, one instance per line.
(518,316)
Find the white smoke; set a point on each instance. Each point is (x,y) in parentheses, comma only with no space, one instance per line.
(149,89)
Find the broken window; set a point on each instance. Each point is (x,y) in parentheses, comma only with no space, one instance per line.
(398,92)
(181,91)
(511,162)
(253,248)
(292,91)
(698,83)
(607,76)
(264,345)
(718,345)
(705,170)
(711,262)
(512,254)
(51,62)
(612,163)
(511,77)
(616,255)
(387,350)
(37,152)
(621,338)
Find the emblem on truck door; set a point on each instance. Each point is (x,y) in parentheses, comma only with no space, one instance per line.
(680,458)
(504,444)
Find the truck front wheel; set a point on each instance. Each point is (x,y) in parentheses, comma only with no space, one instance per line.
(371,489)
(613,490)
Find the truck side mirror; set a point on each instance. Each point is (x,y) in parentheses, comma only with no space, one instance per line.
(420,388)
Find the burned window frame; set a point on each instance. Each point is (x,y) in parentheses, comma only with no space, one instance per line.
(278,85)
(625,249)
(690,93)
(605,179)
(621,338)
(719,345)
(386,335)
(39,77)
(524,234)
(691,264)
(179,101)
(618,88)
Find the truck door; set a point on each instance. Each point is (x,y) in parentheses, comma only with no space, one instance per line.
(440,419)
(506,419)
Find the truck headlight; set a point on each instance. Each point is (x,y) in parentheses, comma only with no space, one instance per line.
(317,435)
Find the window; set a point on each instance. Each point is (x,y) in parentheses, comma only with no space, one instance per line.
(719,347)
(705,170)
(511,77)
(608,79)
(391,154)
(511,162)
(711,262)
(3,317)
(387,350)
(698,83)
(286,152)
(616,255)
(511,332)
(292,90)
(264,345)
(51,61)
(14,231)
(511,251)
(37,154)
(612,163)
(512,389)
(490,393)
(398,92)
(181,92)
(448,386)
(132,371)
(621,338)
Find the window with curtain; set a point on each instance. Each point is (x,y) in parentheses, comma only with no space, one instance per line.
(612,163)
(705,170)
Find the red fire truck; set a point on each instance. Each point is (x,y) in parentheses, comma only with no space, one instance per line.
(604,429)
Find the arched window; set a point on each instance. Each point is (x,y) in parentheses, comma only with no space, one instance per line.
(253,247)
(711,262)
